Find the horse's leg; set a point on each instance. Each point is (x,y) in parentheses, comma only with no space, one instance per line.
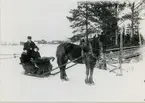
(64,75)
(87,75)
(64,67)
(59,64)
(92,65)
(87,72)
(61,61)
(91,76)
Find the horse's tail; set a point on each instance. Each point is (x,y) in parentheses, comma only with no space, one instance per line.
(61,53)
(60,50)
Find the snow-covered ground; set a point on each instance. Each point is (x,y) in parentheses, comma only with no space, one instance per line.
(14,86)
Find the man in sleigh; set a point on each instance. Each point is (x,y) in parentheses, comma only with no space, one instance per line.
(32,61)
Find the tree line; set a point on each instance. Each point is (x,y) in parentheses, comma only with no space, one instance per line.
(105,17)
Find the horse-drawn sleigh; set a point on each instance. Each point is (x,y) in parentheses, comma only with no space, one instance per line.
(86,54)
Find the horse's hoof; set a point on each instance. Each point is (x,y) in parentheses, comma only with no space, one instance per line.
(62,79)
(89,84)
(65,79)
(92,83)
(86,81)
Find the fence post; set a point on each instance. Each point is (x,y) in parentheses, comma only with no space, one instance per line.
(102,62)
(120,52)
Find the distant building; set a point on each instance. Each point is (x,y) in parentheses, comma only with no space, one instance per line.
(43,41)
(55,42)
(40,41)
(36,42)
(22,43)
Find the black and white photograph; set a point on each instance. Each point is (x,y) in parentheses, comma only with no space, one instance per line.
(72,51)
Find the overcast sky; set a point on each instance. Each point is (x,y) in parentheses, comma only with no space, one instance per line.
(41,19)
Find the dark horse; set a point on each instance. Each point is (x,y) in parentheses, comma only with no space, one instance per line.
(89,55)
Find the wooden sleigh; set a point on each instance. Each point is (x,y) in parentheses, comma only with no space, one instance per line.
(43,67)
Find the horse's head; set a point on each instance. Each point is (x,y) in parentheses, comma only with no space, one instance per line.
(98,44)
(103,42)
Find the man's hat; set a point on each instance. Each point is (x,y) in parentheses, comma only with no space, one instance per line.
(29,37)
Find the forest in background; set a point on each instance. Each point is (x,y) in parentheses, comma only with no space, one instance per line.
(107,17)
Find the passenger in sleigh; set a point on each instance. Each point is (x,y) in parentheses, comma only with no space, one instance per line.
(36,57)
(30,58)
(25,61)
(35,64)
(25,58)
(42,64)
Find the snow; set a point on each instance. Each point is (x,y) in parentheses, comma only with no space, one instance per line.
(14,86)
